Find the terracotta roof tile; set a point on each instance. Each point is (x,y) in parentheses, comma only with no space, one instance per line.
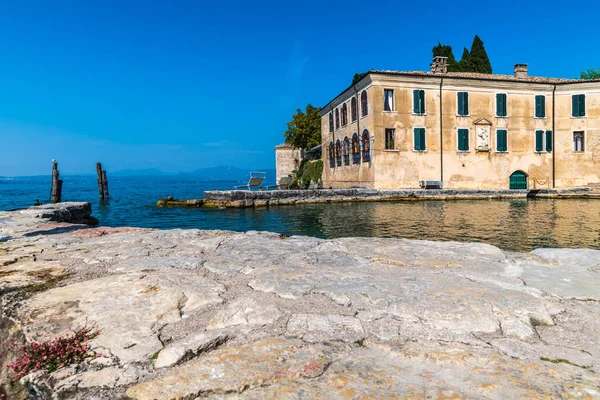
(475,75)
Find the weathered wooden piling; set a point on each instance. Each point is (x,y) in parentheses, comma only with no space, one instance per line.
(56,191)
(100,182)
(105,184)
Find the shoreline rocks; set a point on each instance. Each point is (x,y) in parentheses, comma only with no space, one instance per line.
(219,314)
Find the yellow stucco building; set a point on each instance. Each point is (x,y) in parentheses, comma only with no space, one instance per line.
(467,130)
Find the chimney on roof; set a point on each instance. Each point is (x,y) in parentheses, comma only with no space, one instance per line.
(520,71)
(439,65)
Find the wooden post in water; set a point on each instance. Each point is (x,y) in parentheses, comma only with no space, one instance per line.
(59,184)
(100,183)
(105,183)
(56,192)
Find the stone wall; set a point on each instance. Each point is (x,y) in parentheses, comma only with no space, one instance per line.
(287,160)
(246,198)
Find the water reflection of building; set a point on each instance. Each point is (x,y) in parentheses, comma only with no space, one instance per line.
(518,225)
(393,129)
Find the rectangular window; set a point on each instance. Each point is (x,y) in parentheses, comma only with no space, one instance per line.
(501,140)
(578,142)
(463,103)
(389,139)
(539,141)
(388,100)
(548,141)
(578,105)
(419,139)
(463,140)
(501,105)
(540,106)
(418,101)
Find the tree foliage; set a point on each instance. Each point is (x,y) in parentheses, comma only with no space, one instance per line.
(478,57)
(475,60)
(304,130)
(590,74)
(358,76)
(445,50)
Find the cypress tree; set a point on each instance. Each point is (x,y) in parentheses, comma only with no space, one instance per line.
(464,65)
(478,58)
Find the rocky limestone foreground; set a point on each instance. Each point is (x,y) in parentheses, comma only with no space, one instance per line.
(191,314)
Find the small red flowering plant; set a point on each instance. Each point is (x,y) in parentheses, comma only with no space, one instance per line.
(72,348)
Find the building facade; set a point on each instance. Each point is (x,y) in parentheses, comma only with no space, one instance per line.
(394,129)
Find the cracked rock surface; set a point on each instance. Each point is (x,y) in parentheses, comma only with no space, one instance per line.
(226,315)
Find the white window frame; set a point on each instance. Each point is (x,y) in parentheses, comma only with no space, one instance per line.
(496,141)
(385,138)
(544,96)
(496,104)
(393,100)
(457,114)
(412,110)
(583,142)
(544,150)
(457,141)
(413,139)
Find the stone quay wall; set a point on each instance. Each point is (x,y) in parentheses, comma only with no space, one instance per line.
(245,198)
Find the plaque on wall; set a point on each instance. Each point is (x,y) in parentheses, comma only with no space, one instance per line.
(483,129)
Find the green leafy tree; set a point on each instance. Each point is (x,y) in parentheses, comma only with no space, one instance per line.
(358,76)
(590,74)
(304,130)
(478,58)
(445,50)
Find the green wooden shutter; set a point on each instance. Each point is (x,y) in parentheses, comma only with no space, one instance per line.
(539,141)
(422,101)
(501,140)
(466,107)
(575,105)
(417,139)
(501,104)
(540,106)
(582,105)
(461,103)
(548,141)
(415,101)
(463,139)
(422,139)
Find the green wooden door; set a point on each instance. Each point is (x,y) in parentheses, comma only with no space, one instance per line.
(518,180)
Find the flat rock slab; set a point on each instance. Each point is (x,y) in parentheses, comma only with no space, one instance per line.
(235,369)
(570,273)
(131,309)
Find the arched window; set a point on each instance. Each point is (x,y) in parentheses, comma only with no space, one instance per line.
(355,149)
(337,118)
(330,122)
(364,104)
(331,152)
(338,152)
(344,115)
(346,151)
(366,146)
(353,108)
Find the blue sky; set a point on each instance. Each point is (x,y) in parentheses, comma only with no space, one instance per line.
(184,85)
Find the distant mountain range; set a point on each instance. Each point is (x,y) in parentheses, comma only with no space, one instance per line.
(220,173)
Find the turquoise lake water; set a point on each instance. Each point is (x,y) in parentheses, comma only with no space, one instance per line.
(516,225)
